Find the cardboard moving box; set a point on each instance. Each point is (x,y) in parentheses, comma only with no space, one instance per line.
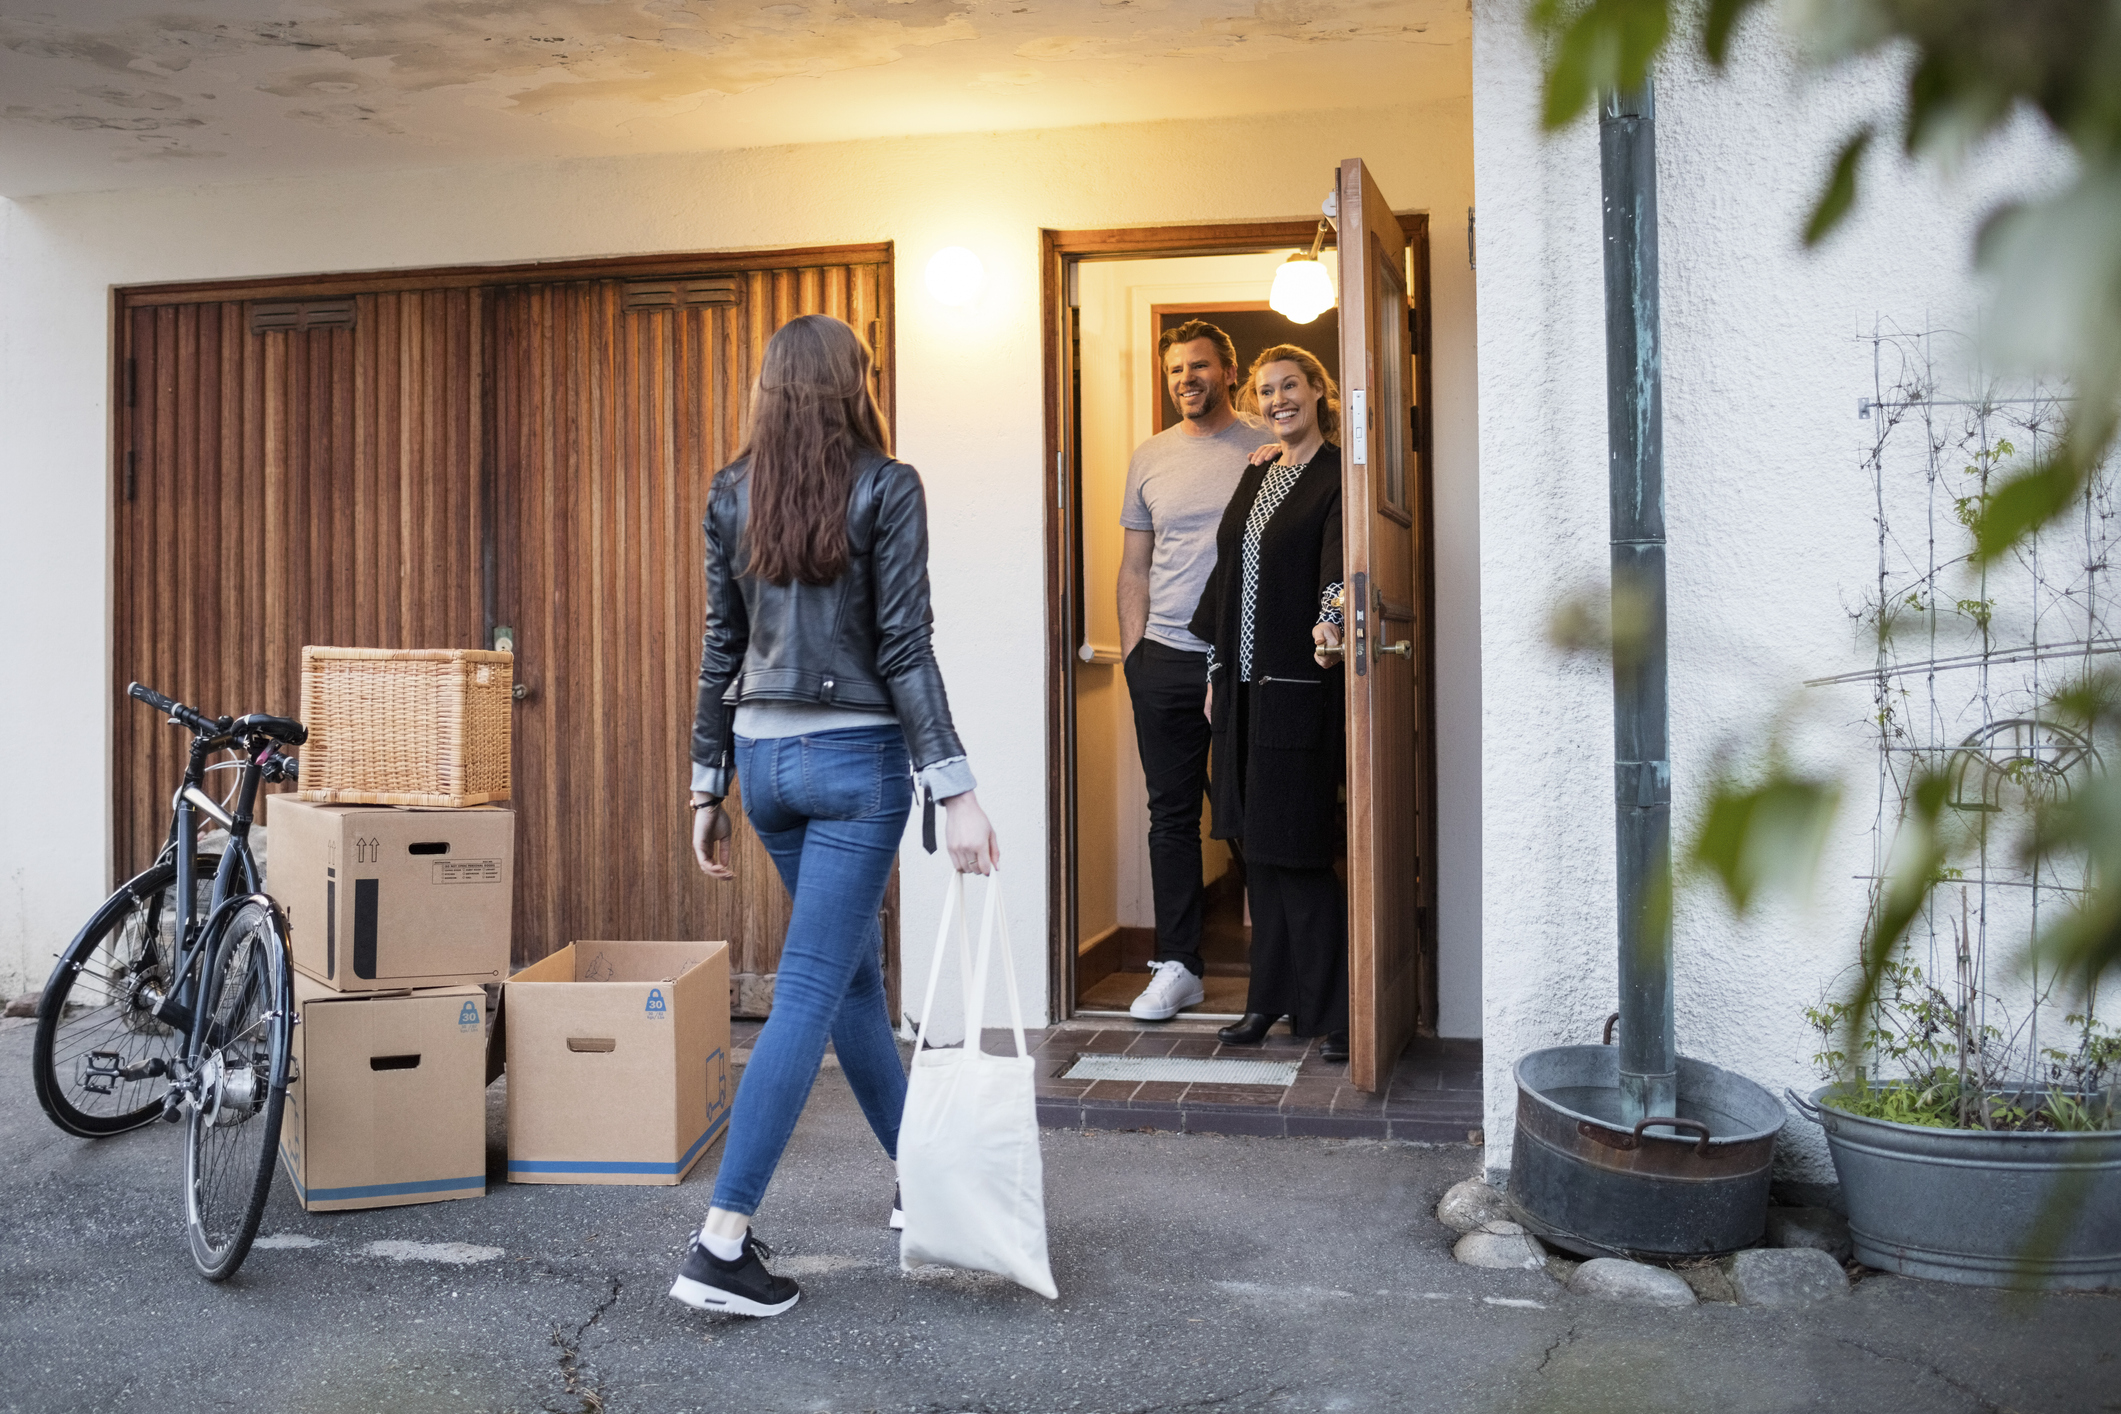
(618,1062)
(380,897)
(388,1103)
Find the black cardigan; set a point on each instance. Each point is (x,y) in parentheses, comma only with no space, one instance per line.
(1277,748)
(1299,558)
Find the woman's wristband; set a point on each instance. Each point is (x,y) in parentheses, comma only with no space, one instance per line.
(708,804)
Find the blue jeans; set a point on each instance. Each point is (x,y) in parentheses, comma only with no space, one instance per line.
(830,808)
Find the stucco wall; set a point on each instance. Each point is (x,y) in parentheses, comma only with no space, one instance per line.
(1771,534)
(969,415)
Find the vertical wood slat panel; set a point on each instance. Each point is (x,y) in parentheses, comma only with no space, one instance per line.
(610,425)
(255,478)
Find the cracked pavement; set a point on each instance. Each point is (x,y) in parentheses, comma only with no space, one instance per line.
(1196,1273)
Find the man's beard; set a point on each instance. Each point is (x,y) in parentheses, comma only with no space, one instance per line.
(1215,398)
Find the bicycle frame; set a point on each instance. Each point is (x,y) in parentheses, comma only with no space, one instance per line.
(234,881)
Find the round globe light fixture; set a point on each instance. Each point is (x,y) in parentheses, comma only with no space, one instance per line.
(1302,289)
(955,275)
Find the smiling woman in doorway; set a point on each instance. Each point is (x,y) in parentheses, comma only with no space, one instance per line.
(1271,615)
(818,682)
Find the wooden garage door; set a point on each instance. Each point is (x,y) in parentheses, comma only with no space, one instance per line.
(416,468)
(615,402)
(282,481)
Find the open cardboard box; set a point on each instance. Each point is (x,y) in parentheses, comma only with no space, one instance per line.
(388,1102)
(618,1062)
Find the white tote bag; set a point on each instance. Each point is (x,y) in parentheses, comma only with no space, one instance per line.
(970,1180)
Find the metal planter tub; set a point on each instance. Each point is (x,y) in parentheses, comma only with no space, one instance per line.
(1587,1182)
(1968,1206)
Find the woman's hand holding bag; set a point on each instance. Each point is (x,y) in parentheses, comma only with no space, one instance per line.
(971,1180)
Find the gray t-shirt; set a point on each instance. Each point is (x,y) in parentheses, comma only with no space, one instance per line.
(1178,485)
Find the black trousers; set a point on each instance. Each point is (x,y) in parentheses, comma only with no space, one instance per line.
(1299,947)
(1169,687)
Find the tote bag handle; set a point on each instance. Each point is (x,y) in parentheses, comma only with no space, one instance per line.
(971,967)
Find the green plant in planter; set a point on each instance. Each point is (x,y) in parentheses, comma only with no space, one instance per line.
(1929,1061)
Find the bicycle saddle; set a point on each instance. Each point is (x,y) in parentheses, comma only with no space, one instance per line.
(281,729)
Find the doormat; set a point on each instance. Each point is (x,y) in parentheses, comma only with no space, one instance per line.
(1182,1070)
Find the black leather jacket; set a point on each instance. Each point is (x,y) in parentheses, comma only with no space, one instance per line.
(862,641)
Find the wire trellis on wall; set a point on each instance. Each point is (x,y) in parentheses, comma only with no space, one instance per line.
(1969,661)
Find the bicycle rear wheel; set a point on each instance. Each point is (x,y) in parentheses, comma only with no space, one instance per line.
(100,1061)
(238,1087)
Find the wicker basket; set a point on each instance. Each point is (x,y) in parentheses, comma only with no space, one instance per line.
(416,726)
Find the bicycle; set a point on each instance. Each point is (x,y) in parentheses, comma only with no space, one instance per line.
(176,1001)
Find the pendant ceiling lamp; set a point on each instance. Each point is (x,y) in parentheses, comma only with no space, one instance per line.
(1303,289)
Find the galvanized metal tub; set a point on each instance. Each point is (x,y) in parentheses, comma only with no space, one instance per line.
(1586,1182)
(1966,1206)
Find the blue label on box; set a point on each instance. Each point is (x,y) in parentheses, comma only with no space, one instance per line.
(655,1005)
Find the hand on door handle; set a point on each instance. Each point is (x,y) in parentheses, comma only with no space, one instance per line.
(1325,644)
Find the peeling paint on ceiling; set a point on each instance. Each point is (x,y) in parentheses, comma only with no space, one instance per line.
(101,93)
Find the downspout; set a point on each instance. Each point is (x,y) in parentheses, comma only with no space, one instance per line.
(1642,771)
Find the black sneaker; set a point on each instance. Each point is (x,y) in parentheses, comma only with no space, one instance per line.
(898,1211)
(740,1288)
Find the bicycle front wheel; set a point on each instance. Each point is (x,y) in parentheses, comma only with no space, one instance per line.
(101,1062)
(237,1086)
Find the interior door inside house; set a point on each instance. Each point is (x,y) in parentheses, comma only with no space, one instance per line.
(1115,398)
(422,468)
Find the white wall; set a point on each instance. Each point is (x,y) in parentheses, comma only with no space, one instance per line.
(969,408)
(1771,535)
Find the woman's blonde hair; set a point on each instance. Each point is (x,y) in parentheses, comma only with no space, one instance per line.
(810,413)
(1328,390)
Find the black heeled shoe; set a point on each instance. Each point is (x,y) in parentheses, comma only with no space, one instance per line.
(1334,1047)
(1249,1032)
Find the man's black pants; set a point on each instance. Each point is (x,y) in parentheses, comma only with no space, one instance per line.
(1170,691)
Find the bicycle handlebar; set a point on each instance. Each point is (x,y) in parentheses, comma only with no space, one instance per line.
(200,724)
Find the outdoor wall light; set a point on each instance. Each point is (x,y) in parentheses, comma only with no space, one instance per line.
(955,275)
(1302,288)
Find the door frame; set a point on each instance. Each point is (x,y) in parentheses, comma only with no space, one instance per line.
(1059,252)
(330,285)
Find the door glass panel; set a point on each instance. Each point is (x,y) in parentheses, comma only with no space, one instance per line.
(1390,318)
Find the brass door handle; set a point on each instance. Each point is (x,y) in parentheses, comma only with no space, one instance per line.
(1329,650)
(1404,648)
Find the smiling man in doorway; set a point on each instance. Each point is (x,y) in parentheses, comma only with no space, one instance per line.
(1177,486)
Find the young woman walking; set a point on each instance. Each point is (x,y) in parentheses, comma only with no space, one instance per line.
(1271,616)
(819,686)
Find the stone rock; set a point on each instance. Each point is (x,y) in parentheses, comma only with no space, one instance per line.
(1819,1228)
(1471,1206)
(1785,1276)
(1709,1282)
(1501,1251)
(25,1005)
(1611,1279)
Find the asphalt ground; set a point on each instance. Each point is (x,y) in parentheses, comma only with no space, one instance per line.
(1196,1273)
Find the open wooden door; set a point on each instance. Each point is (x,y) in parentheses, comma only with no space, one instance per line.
(1385,589)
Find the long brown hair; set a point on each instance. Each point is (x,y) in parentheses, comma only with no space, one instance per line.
(1328,390)
(811,411)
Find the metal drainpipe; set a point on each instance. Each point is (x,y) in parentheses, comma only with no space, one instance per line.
(1642,770)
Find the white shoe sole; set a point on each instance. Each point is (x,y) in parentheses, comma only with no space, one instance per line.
(702,1297)
(898,1220)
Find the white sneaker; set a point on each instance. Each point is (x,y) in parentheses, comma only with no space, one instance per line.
(1172,986)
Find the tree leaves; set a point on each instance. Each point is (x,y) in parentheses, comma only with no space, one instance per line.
(1839,198)
(1768,835)
(1597,46)
(2017,509)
